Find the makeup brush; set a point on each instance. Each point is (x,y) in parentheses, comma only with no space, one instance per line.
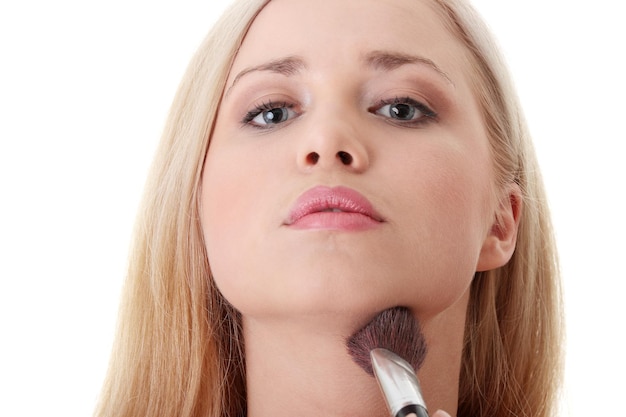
(391,347)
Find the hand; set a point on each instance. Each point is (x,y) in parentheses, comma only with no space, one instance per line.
(440,413)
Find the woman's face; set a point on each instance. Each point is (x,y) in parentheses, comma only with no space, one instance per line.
(349,169)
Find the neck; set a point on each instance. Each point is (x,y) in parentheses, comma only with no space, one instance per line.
(301,367)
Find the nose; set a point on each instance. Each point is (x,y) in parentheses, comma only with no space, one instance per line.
(331,143)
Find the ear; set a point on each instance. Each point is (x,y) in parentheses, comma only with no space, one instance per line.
(500,242)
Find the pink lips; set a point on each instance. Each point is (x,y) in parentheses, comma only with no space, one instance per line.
(336,208)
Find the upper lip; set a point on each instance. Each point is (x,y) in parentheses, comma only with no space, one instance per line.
(322,198)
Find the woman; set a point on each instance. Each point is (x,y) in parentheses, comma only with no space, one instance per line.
(323,162)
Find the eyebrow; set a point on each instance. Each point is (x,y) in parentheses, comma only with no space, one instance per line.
(379,60)
(388,61)
(285,66)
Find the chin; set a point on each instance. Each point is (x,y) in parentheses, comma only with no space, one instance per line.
(340,283)
(334,302)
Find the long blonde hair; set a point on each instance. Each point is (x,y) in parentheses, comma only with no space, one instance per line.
(178,350)
(512,356)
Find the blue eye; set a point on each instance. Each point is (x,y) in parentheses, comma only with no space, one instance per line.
(405,110)
(268,114)
(399,111)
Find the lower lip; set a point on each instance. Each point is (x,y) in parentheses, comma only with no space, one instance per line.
(335,221)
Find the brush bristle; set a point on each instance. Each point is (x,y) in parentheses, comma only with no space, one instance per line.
(394,329)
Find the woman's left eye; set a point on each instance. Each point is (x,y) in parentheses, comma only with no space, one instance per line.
(269,114)
(404,110)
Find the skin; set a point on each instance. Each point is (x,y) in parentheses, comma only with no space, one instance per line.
(301,292)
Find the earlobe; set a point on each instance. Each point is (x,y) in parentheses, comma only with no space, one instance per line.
(501,240)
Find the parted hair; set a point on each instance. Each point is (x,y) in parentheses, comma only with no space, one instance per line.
(178,351)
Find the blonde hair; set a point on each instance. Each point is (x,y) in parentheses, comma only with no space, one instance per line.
(512,356)
(178,350)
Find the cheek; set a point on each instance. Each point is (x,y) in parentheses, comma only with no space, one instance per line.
(227,225)
(446,206)
(238,214)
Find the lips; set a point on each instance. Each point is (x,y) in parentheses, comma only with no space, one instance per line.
(332,208)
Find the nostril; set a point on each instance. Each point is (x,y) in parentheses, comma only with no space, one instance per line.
(312,158)
(345,157)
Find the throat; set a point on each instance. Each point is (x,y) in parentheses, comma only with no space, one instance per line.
(308,373)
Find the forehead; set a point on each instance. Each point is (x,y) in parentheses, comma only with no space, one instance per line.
(332,33)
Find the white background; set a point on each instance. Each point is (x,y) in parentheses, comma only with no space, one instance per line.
(85,87)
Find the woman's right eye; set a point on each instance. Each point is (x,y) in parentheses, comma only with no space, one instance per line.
(269,114)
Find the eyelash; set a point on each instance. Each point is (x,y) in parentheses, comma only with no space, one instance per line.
(428,115)
(265,106)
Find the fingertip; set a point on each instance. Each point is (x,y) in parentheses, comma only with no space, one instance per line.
(441,413)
